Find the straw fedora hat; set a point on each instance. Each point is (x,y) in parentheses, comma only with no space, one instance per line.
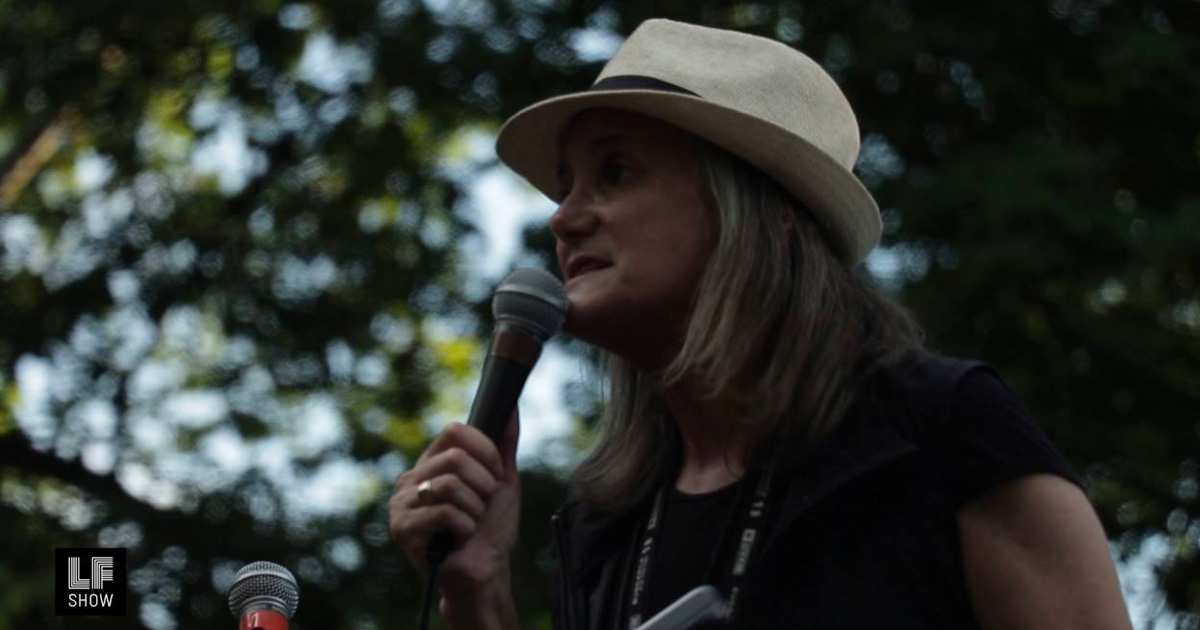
(757,98)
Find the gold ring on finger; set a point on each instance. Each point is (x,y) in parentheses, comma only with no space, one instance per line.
(425,492)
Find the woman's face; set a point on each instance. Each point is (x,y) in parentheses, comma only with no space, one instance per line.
(633,233)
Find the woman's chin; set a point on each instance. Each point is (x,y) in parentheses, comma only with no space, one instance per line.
(617,334)
(578,324)
(587,304)
(586,324)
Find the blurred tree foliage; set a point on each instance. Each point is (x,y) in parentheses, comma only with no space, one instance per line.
(232,273)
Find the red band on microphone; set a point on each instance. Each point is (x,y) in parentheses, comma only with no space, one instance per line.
(264,620)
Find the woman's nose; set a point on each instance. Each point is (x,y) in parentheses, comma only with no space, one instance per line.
(574,218)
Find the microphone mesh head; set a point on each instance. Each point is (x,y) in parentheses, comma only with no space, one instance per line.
(264,585)
(533,298)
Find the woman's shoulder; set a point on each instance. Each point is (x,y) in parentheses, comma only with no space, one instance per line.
(930,386)
(967,421)
(929,399)
(931,374)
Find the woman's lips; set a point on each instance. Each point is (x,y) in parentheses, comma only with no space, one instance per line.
(584,263)
(587,268)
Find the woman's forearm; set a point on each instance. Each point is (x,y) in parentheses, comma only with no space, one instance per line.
(493,608)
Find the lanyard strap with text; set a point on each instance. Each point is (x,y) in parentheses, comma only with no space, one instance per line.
(750,528)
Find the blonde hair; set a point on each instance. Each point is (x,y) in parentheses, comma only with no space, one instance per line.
(777,321)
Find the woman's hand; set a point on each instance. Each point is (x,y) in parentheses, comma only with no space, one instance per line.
(474,492)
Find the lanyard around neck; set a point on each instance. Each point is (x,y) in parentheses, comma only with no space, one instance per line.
(750,528)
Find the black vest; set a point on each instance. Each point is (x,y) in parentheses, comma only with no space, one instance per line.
(864,536)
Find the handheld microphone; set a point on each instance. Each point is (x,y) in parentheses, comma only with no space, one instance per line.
(529,307)
(264,596)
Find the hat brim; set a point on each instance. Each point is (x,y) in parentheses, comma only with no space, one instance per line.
(529,144)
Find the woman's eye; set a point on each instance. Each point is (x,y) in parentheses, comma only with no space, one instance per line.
(614,172)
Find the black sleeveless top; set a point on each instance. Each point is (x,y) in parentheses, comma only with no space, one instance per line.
(692,543)
(866,531)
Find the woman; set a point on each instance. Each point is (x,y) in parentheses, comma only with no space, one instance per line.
(773,426)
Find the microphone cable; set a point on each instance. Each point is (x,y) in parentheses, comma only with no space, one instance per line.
(427,597)
(435,555)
